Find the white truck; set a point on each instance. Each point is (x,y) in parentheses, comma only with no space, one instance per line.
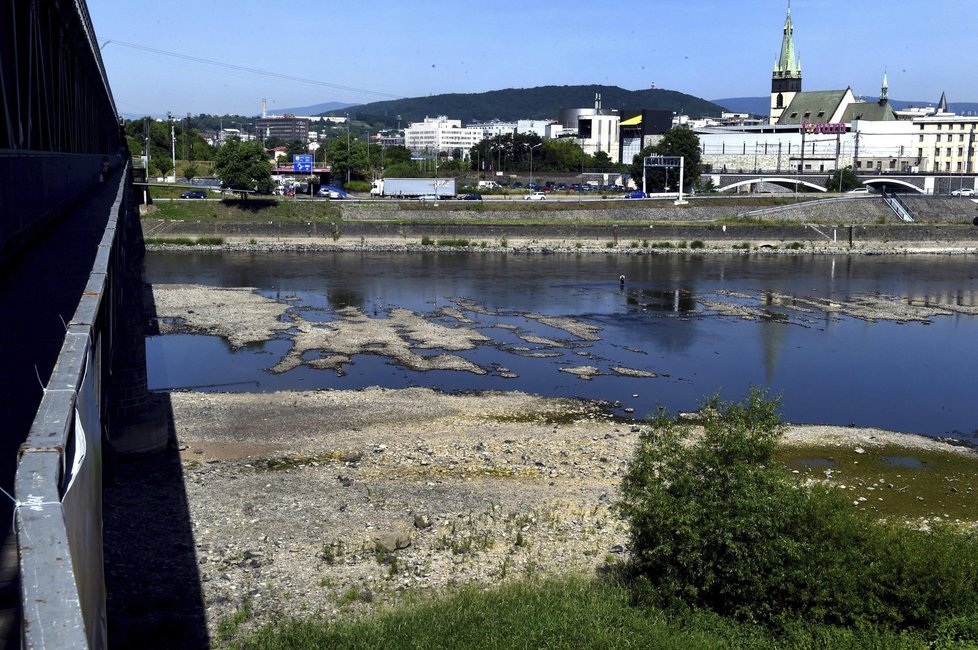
(410,188)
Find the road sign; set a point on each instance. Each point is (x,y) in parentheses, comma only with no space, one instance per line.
(302,162)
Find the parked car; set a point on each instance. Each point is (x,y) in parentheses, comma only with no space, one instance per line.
(859,190)
(535,196)
(963,191)
(470,197)
(635,194)
(194,194)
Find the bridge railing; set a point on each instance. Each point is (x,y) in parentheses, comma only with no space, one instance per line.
(58,490)
(899,208)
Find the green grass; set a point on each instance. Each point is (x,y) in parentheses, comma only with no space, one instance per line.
(570,612)
(185,241)
(457,243)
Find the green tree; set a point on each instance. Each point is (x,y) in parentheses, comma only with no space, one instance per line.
(397,154)
(191,172)
(843,180)
(678,141)
(162,164)
(352,161)
(244,166)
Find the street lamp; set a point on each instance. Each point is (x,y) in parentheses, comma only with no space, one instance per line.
(531,148)
(348,148)
(173,145)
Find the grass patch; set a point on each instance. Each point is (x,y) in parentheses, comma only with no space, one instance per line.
(185,241)
(228,627)
(572,612)
(795,245)
(457,243)
(427,241)
(567,416)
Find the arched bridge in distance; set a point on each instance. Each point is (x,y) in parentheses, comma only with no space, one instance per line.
(818,182)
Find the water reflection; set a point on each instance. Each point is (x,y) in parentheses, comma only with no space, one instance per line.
(676,300)
(872,341)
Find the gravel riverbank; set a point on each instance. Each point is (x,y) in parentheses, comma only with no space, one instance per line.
(343,502)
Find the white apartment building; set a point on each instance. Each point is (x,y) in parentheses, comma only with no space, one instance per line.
(541,128)
(494,128)
(440,134)
(945,143)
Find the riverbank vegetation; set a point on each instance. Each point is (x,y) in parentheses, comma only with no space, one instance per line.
(731,545)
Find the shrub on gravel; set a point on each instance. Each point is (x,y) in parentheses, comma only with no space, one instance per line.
(716,525)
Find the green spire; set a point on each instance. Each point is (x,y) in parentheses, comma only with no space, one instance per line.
(788,65)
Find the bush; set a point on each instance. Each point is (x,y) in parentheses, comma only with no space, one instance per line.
(356,186)
(715,525)
(427,241)
(697,244)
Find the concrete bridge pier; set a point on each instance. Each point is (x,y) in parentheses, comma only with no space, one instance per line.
(137,422)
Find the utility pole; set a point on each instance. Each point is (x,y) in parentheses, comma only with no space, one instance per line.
(173,145)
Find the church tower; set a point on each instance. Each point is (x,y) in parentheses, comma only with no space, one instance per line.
(786,81)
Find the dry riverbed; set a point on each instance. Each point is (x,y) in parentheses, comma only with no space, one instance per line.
(344,502)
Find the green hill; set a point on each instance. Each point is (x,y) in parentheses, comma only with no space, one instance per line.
(544,102)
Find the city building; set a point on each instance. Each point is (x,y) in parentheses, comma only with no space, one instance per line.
(640,129)
(288,127)
(597,129)
(945,142)
(494,128)
(547,129)
(438,134)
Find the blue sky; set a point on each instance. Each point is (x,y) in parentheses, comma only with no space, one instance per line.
(392,48)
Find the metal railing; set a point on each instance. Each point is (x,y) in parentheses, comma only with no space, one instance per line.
(58,492)
(899,208)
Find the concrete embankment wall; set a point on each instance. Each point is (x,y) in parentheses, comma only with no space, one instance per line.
(860,222)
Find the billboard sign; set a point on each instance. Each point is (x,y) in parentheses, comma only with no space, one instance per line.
(302,162)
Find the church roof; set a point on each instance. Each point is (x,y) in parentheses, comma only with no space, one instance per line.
(813,106)
(942,105)
(880,111)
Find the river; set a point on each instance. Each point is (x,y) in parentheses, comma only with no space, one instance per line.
(871,341)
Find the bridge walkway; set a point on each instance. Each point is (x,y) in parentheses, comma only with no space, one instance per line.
(39,291)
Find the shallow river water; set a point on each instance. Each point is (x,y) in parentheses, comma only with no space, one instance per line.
(885,341)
